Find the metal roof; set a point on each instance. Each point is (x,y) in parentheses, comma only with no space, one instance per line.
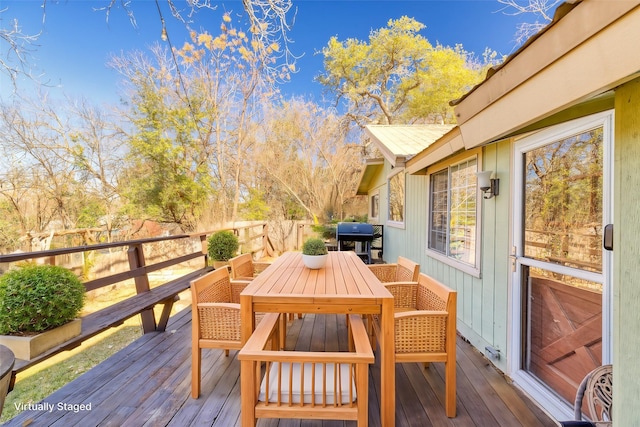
(399,143)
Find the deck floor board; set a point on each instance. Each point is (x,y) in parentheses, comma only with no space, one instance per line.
(148,384)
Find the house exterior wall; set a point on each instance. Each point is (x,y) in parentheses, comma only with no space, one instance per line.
(482,301)
(626,268)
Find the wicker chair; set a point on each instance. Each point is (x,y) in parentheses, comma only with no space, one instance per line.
(215,318)
(597,387)
(404,270)
(243,267)
(425,328)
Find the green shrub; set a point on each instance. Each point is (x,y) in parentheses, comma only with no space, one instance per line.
(314,246)
(35,298)
(327,231)
(223,245)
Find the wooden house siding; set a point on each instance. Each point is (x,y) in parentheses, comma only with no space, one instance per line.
(482,302)
(545,84)
(626,285)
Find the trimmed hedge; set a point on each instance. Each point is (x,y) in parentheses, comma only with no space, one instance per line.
(36,298)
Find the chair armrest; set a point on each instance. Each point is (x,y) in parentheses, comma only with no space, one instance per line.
(384,272)
(359,337)
(421,331)
(256,344)
(404,293)
(255,347)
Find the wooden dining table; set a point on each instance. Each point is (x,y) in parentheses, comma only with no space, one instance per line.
(345,285)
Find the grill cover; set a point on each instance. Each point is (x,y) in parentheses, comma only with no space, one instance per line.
(356,232)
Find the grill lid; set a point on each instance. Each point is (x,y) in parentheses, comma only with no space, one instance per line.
(354,231)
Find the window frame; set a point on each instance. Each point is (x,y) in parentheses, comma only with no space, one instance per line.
(394,173)
(445,258)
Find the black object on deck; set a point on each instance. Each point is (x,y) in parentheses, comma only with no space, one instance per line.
(348,234)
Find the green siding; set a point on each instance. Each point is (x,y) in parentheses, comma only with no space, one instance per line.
(626,274)
(482,302)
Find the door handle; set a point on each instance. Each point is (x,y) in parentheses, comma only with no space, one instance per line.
(607,240)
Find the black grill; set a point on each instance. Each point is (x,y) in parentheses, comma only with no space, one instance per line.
(355,236)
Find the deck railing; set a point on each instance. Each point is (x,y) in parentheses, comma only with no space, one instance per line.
(138,265)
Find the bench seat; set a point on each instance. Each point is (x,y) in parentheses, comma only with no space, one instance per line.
(115,314)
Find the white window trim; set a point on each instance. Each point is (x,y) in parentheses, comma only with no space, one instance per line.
(473,270)
(524,380)
(390,223)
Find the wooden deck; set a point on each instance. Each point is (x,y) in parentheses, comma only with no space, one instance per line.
(148,384)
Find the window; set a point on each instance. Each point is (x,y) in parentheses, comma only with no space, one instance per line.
(452,212)
(396,198)
(374,208)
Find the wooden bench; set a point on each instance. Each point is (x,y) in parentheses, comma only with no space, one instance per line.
(300,384)
(425,328)
(116,314)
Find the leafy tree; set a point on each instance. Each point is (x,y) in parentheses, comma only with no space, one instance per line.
(450,73)
(168,178)
(194,110)
(388,79)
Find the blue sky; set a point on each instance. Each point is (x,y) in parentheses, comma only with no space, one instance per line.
(77,40)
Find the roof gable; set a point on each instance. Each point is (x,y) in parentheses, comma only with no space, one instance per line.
(398,143)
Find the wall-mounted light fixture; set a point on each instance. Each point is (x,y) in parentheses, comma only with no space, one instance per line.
(489,186)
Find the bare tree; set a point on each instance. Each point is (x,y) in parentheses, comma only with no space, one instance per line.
(16,59)
(60,166)
(304,151)
(541,9)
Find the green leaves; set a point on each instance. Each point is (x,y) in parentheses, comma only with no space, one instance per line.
(397,76)
(36,298)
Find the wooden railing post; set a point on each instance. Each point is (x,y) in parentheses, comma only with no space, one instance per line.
(266,243)
(205,248)
(136,260)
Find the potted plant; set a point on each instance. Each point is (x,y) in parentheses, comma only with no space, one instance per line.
(39,306)
(314,253)
(222,246)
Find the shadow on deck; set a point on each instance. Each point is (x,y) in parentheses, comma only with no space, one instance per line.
(148,384)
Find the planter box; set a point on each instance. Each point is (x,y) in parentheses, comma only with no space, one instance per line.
(220,264)
(27,348)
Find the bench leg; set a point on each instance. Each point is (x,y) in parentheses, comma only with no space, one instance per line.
(148,320)
(166,313)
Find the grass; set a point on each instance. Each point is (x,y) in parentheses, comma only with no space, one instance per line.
(39,381)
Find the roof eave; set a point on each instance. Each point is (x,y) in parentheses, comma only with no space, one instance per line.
(533,84)
(371,169)
(449,144)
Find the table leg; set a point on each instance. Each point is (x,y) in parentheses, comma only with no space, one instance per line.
(247,371)
(387,365)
